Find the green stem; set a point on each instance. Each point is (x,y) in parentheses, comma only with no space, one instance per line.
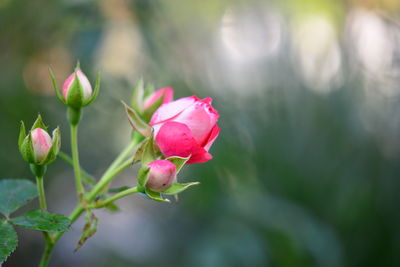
(42,196)
(115,197)
(75,160)
(105,179)
(47,237)
(115,168)
(44,261)
(86,177)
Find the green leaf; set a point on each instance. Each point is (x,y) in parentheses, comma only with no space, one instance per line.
(8,240)
(43,221)
(39,124)
(89,229)
(137,96)
(136,121)
(14,193)
(178,188)
(179,162)
(155,196)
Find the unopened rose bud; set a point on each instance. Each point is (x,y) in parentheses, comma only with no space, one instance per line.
(37,147)
(161,176)
(42,143)
(76,91)
(86,88)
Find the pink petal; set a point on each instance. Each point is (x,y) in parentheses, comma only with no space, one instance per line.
(210,140)
(170,110)
(200,118)
(176,139)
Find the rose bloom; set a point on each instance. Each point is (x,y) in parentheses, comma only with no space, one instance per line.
(187,126)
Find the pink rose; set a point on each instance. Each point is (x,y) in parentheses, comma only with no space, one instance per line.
(187,126)
(166,93)
(161,176)
(42,143)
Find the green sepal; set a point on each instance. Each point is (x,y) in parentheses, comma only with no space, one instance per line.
(149,89)
(26,149)
(155,196)
(43,221)
(56,90)
(149,152)
(95,92)
(75,93)
(55,148)
(15,193)
(39,124)
(179,162)
(178,188)
(148,112)
(22,135)
(136,121)
(137,96)
(143,175)
(139,152)
(8,240)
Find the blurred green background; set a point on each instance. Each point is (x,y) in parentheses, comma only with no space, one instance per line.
(306,168)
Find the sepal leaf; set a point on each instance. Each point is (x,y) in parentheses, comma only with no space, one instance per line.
(8,240)
(54,83)
(15,193)
(179,162)
(143,175)
(75,93)
(43,221)
(39,124)
(178,188)
(136,121)
(155,196)
(137,96)
(22,135)
(95,92)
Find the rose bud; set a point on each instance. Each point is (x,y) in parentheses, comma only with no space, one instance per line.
(37,147)
(161,175)
(42,143)
(82,80)
(186,127)
(76,91)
